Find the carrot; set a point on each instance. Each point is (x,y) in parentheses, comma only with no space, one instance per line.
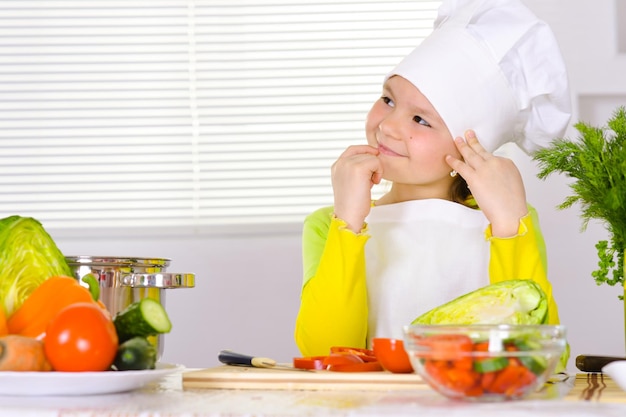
(4,330)
(50,297)
(23,354)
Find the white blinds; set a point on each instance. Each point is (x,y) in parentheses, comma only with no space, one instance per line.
(157,113)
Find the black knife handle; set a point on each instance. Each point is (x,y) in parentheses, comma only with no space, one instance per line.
(588,363)
(232,358)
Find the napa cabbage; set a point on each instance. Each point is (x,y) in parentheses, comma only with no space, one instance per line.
(28,256)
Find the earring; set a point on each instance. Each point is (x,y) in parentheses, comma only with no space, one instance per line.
(453,173)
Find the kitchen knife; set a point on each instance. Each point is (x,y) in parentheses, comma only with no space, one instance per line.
(590,363)
(229,357)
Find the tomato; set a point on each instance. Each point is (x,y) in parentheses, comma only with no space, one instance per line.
(366,354)
(447,343)
(452,375)
(81,338)
(338,362)
(356,367)
(341,359)
(392,355)
(309,362)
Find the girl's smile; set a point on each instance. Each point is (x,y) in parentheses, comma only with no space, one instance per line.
(389,152)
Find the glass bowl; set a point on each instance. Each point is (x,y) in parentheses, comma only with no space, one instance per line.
(485,362)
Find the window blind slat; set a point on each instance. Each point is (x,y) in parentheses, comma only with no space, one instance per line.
(172,113)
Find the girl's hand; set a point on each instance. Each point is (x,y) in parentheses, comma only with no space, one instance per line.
(353,176)
(495,182)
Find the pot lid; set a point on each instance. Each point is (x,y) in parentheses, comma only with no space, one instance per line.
(117,261)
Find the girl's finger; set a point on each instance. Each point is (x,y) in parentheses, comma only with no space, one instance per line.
(474,143)
(466,151)
(359,149)
(377,177)
(472,151)
(457,165)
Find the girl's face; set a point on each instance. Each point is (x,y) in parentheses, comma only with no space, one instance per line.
(412,140)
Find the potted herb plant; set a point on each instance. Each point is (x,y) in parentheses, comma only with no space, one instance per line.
(597,163)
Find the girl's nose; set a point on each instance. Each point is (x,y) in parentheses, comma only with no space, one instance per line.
(390,127)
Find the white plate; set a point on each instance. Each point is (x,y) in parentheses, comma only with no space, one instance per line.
(617,371)
(79,383)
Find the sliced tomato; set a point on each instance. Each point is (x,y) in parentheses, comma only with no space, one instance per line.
(487,379)
(309,362)
(366,354)
(337,362)
(453,375)
(448,342)
(512,380)
(481,347)
(341,359)
(446,346)
(357,367)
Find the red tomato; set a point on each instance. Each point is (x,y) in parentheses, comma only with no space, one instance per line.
(366,354)
(309,362)
(451,376)
(81,338)
(341,359)
(357,367)
(392,355)
(446,346)
(512,380)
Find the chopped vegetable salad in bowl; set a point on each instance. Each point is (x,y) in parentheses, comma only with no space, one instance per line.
(484,362)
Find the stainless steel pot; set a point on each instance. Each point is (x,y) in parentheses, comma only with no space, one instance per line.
(126,280)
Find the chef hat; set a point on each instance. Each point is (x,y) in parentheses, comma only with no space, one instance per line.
(494,67)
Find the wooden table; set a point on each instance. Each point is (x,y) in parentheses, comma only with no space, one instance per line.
(575,395)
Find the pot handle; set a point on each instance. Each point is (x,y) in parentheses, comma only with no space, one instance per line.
(160,280)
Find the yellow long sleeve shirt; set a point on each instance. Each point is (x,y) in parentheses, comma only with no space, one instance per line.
(334,307)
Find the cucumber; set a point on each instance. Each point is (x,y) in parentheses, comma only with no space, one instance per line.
(135,354)
(490,364)
(142,318)
(537,364)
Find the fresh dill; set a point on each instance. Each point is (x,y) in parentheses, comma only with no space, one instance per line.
(597,163)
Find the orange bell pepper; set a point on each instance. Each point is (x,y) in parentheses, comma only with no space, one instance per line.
(3,323)
(55,293)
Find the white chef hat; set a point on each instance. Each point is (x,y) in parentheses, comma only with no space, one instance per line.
(494,67)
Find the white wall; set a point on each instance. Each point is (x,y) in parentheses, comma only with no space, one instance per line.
(247,291)
(587,33)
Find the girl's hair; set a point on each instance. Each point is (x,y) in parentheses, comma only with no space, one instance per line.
(460,193)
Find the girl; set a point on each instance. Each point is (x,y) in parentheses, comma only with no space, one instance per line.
(455,218)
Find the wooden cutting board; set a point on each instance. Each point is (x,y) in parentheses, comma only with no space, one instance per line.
(240,377)
(596,387)
(591,387)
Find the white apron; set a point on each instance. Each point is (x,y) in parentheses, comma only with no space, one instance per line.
(421,254)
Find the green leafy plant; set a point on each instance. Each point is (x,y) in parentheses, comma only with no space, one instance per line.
(597,163)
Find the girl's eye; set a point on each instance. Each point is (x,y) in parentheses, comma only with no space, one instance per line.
(421,121)
(387,101)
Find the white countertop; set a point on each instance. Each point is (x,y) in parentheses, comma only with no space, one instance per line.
(166,397)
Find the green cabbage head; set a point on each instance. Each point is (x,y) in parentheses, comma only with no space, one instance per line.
(506,302)
(28,256)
